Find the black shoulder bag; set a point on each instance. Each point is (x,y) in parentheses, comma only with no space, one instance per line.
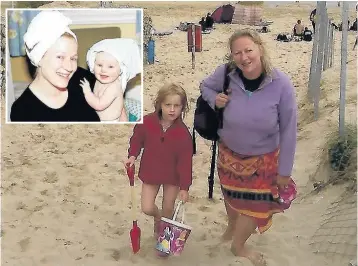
(207,122)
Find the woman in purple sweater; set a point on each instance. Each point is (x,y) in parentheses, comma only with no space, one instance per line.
(257,141)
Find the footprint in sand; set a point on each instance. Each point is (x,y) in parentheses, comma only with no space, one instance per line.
(119,231)
(115,254)
(213,251)
(50,177)
(201,238)
(281,258)
(21,206)
(24,244)
(204,209)
(146,248)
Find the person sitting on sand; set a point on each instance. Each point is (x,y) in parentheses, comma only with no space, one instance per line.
(114,62)
(209,21)
(298,29)
(258,139)
(202,23)
(307,35)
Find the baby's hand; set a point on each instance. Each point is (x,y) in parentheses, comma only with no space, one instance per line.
(85,85)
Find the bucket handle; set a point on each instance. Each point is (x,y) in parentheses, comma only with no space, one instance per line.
(180,204)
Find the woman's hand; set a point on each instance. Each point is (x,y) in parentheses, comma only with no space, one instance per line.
(183,195)
(129,162)
(282,181)
(85,86)
(222,99)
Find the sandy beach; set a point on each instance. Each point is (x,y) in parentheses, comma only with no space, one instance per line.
(65,193)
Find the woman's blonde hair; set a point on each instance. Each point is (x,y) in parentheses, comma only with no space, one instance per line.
(171,89)
(255,37)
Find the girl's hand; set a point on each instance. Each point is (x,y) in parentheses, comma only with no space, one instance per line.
(183,195)
(282,181)
(85,85)
(129,162)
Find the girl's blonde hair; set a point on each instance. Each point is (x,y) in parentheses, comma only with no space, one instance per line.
(255,37)
(171,89)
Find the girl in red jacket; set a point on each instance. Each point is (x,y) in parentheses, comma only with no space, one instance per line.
(167,153)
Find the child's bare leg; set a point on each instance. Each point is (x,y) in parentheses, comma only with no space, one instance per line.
(244,227)
(231,215)
(149,193)
(170,194)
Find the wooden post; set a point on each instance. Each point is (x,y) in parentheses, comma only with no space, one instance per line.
(342,91)
(313,68)
(321,8)
(333,45)
(330,44)
(193,47)
(326,41)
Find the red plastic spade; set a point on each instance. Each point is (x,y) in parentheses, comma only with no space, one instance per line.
(135,231)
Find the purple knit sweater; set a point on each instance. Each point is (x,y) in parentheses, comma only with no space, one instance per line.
(259,122)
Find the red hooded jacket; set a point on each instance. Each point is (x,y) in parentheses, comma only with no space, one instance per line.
(167,156)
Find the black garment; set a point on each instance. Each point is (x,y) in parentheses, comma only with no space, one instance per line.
(354,26)
(307,35)
(203,25)
(312,15)
(313,26)
(335,26)
(251,84)
(209,22)
(28,108)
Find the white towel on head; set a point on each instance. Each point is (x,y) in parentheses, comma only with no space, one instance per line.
(126,51)
(43,32)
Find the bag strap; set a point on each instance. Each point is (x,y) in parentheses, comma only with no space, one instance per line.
(225,88)
(193,141)
(180,204)
(214,143)
(227,79)
(212,170)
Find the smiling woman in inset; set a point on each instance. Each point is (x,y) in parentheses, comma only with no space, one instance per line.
(257,141)
(55,93)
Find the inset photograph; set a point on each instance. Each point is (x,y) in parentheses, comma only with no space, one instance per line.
(74,66)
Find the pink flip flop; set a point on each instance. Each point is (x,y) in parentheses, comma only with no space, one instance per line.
(287,194)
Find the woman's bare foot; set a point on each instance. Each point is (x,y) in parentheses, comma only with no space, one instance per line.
(228,234)
(256,258)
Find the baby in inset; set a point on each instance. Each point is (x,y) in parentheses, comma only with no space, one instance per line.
(114,62)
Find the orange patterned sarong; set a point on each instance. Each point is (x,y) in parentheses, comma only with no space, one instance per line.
(247,183)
